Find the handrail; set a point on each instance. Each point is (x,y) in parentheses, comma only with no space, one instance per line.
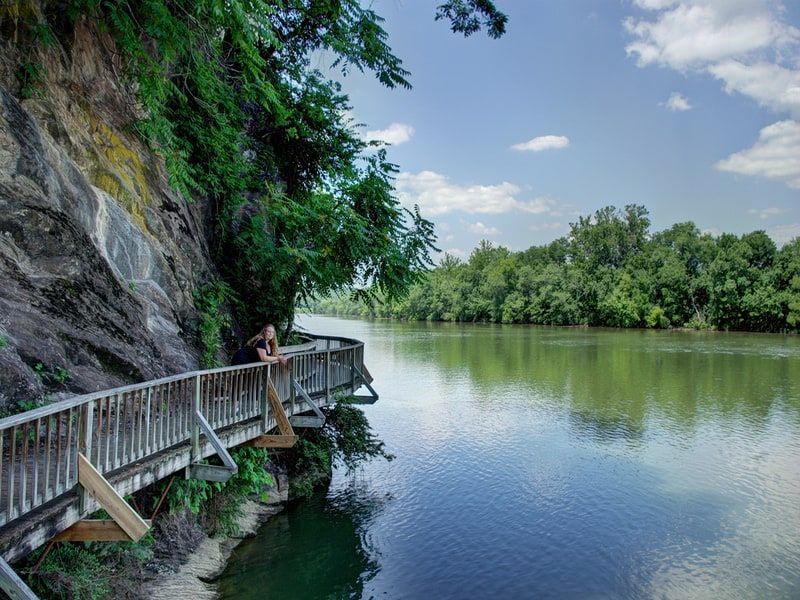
(116,429)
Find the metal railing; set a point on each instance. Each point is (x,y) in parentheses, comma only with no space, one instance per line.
(115,429)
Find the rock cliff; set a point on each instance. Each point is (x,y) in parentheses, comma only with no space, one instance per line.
(98,256)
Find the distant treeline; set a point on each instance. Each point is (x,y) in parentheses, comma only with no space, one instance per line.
(611,271)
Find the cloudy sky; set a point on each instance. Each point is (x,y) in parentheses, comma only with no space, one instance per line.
(690,108)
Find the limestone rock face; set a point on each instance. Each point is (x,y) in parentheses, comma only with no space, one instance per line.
(98,256)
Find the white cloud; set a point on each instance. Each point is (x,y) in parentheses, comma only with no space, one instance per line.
(544,142)
(691,34)
(396,133)
(765,213)
(677,102)
(748,47)
(776,155)
(455,253)
(555,226)
(436,195)
(771,85)
(482,229)
(783,234)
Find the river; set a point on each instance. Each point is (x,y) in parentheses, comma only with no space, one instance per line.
(536,462)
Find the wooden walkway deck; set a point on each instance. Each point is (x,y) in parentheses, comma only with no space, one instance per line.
(57,460)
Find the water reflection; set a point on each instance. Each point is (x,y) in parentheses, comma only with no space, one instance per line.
(317,548)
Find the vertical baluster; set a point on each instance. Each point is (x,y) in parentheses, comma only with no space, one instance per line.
(48,447)
(163,412)
(210,408)
(105,408)
(12,472)
(85,435)
(69,445)
(184,400)
(327,376)
(148,422)
(23,479)
(59,433)
(126,430)
(206,406)
(140,424)
(218,400)
(118,414)
(35,461)
(166,403)
(225,398)
(195,429)
(165,417)
(236,394)
(179,402)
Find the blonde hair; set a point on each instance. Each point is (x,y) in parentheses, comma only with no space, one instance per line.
(273,343)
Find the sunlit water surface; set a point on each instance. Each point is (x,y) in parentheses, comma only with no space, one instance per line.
(553,463)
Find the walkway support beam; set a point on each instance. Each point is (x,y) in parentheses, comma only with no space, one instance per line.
(197,470)
(303,421)
(114,504)
(365,380)
(12,585)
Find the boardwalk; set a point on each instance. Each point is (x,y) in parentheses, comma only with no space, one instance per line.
(66,460)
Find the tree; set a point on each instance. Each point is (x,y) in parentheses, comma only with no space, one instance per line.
(610,237)
(678,259)
(743,296)
(469,16)
(787,277)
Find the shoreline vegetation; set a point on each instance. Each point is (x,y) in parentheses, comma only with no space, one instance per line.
(610,271)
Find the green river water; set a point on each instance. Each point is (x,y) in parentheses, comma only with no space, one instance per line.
(540,462)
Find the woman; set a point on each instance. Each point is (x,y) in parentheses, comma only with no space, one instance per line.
(262,347)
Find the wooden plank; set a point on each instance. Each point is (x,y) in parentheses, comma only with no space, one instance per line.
(367,375)
(307,421)
(362,399)
(198,470)
(277,410)
(273,441)
(110,500)
(373,397)
(205,472)
(95,530)
(12,585)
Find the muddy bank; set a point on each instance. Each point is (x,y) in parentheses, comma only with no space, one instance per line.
(206,560)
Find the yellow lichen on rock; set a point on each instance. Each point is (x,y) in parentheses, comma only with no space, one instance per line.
(120,172)
(12,12)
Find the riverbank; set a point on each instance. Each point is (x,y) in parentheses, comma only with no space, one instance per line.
(195,577)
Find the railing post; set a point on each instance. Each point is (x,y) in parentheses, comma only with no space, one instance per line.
(352,371)
(195,426)
(263,401)
(327,376)
(291,385)
(84,445)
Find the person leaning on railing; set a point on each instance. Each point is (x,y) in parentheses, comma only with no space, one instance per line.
(262,347)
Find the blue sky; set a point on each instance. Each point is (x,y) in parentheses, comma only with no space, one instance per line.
(690,108)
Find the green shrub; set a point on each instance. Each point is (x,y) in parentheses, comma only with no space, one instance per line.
(69,571)
(346,440)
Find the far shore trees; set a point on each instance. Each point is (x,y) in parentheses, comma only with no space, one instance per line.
(611,271)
